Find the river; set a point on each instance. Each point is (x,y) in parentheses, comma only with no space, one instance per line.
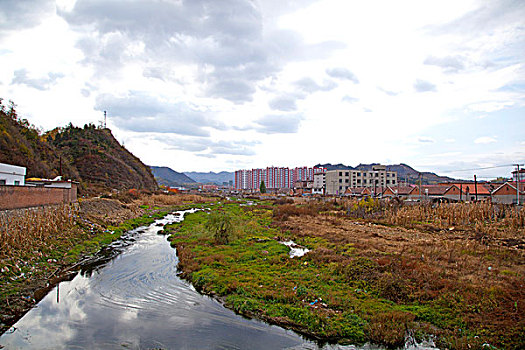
(132,298)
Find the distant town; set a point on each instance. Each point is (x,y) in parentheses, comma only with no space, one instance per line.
(378,182)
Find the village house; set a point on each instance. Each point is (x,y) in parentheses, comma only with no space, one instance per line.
(469,192)
(400,192)
(358,192)
(12,175)
(428,193)
(507,194)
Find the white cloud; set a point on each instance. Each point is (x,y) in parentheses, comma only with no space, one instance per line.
(485,140)
(280,74)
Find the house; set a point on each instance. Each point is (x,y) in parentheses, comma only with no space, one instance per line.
(506,193)
(12,175)
(467,192)
(358,192)
(400,192)
(54,183)
(428,193)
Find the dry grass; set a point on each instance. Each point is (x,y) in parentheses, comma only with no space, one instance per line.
(486,219)
(26,230)
(173,199)
(418,265)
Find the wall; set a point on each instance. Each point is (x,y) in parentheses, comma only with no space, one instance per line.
(15,197)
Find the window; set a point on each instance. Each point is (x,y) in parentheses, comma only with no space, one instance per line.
(17,183)
(346,173)
(2,182)
(358,181)
(340,173)
(377,174)
(346,180)
(364,181)
(393,182)
(387,182)
(340,181)
(358,174)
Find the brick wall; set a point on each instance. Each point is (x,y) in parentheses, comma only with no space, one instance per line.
(15,197)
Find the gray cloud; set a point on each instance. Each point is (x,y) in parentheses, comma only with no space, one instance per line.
(279,124)
(424,86)
(342,73)
(143,113)
(43,83)
(450,64)
(388,92)
(225,39)
(309,85)
(283,103)
(425,139)
(210,147)
(349,99)
(19,14)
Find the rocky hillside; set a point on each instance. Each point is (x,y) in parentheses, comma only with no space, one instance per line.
(89,155)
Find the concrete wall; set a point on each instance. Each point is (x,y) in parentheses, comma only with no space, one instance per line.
(15,197)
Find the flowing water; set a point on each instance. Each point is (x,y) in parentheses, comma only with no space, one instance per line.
(131,298)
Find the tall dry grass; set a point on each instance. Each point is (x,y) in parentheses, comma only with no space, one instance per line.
(484,217)
(173,199)
(29,229)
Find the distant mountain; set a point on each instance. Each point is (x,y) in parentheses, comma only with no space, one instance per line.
(405,173)
(329,166)
(169,177)
(89,155)
(211,177)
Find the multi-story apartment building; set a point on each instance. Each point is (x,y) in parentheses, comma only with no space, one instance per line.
(337,181)
(273,177)
(319,183)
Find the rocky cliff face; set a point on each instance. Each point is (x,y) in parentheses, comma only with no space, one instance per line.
(89,155)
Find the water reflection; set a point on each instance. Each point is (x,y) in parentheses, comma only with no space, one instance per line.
(136,301)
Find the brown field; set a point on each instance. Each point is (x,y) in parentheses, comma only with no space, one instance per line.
(467,258)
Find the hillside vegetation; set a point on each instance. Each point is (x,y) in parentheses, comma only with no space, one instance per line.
(89,155)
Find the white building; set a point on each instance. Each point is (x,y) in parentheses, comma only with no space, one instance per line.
(338,181)
(319,183)
(12,175)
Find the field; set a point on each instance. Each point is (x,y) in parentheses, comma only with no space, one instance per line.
(376,272)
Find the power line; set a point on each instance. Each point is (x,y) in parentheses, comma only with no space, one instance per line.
(484,168)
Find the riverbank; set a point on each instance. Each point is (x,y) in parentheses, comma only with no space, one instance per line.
(363,280)
(43,246)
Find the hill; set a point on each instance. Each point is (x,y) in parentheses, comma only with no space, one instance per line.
(22,144)
(211,177)
(89,155)
(169,177)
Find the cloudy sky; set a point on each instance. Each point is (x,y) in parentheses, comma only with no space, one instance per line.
(210,85)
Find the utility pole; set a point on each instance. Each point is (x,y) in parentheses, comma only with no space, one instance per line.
(419,187)
(104,119)
(476,187)
(518,184)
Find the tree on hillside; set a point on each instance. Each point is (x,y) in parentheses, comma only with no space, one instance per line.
(262,188)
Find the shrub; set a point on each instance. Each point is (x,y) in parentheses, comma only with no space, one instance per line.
(220,225)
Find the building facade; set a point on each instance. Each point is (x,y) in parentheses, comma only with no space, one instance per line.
(12,175)
(377,179)
(273,177)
